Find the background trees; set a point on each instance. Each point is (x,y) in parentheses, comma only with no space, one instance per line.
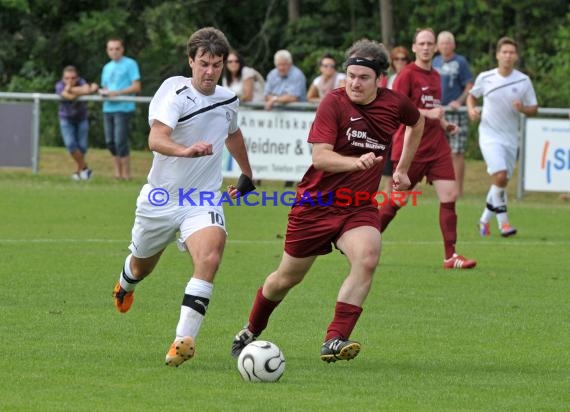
(38,37)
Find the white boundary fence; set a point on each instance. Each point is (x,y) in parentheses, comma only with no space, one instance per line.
(278,148)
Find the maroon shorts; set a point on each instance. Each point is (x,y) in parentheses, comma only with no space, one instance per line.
(312,231)
(437,169)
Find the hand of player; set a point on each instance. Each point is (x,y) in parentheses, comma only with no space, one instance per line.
(517,104)
(451,128)
(401,181)
(244,186)
(198,150)
(232,191)
(366,161)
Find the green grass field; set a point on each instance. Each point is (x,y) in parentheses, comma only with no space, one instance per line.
(496,338)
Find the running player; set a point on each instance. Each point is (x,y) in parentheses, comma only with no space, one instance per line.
(352,131)
(190,119)
(506,93)
(421,83)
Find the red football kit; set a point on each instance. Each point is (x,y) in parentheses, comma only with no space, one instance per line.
(433,157)
(352,130)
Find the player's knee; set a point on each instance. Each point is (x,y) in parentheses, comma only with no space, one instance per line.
(280,282)
(369,260)
(210,260)
(450,194)
(501,180)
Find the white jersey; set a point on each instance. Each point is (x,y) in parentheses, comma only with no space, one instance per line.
(499,119)
(193,117)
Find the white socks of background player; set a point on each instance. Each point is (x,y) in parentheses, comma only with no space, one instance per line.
(496,204)
(489,211)
(126,278)
(196,299)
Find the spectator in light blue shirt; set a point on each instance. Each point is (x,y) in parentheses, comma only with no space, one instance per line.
(286,83)
(120,76)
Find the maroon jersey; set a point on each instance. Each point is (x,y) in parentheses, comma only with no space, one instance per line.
(354,130)
(423,87)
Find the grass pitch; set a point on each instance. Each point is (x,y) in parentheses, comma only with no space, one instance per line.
(495,338)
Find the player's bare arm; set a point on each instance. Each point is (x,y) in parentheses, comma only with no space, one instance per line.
(326,159)
(160,141)
(236,147)
(472,110)
(434,113)
(412,137)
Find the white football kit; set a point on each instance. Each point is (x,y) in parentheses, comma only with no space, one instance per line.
(183,194)
(499,127)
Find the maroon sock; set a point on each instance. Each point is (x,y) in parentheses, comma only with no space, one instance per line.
(448,225)
(345,318)
(260,312)
(386,214)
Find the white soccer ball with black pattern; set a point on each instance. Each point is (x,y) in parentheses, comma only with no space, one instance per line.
(261,361)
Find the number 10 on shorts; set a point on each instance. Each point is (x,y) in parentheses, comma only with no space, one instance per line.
(216,218)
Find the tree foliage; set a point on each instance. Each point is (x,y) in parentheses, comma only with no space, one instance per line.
(38,38)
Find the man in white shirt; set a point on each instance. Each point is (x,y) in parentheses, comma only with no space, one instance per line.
(190,119)
(506,93)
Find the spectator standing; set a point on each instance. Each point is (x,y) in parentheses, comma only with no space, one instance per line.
(506,93)
(73,118)
(191,119)
(421,83)
(353,127)
(286,83)
(456,81)
(244,81)
(399,58)
(120,76)
(328,80)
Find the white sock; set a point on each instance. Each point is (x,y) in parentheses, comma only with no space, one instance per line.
(126,278)
(500,203)
(194,305)
(489,211)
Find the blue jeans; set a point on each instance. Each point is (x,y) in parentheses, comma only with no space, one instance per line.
(117,130)
(74,134)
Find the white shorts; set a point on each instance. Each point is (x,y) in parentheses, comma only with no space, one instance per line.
(498,156)
(157,226)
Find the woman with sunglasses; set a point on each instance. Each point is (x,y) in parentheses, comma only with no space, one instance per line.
(244,81)
(328,80)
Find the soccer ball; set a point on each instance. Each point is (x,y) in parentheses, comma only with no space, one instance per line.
(261,361)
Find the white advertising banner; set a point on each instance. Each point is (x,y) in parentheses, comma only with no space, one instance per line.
(547,155)
(276,143)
